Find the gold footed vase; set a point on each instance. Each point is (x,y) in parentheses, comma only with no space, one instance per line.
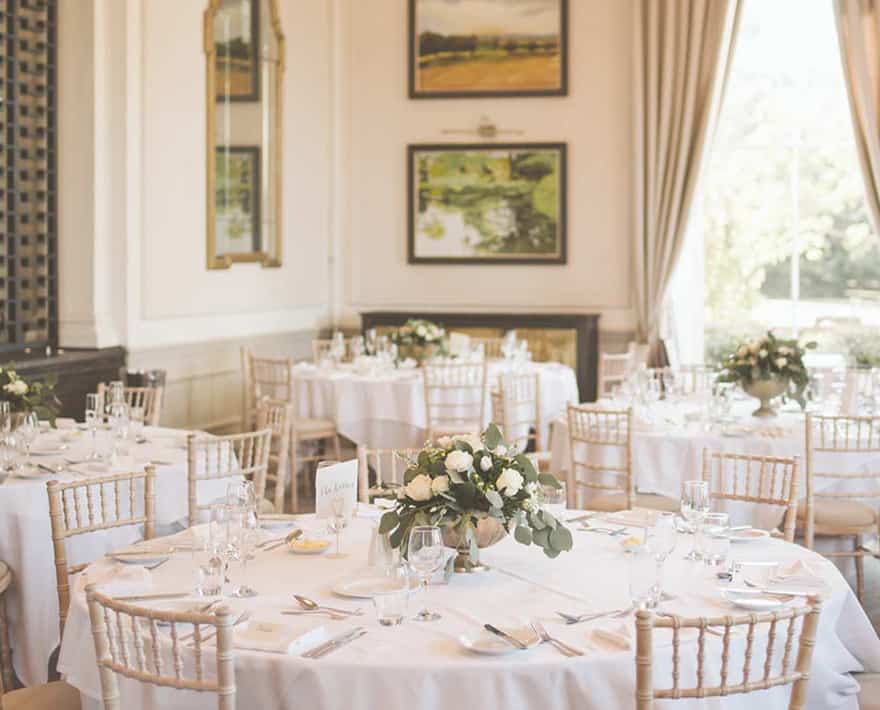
(488,532)
(765,391)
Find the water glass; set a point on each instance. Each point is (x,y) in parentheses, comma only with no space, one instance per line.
(661,542)
(338,523)
(26,434)
(5,417)
(8,452)
(425,553)
(641,578)
(391,603)
(713,538)
(207,566)
(554,499)
(243,534)
(694,505)
(136,422)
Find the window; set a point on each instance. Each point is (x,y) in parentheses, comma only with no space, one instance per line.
(28,242)
(787,239)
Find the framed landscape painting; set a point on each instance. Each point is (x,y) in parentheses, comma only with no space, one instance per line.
(487,204)
(472,48)
(237,200)
(236,45)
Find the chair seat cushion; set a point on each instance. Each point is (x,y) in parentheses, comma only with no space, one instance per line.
(869,693)
(617,501)
(308,426)
(51,696)
(842,513)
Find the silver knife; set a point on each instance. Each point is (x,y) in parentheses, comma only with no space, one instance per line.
(335,643)
(512,640)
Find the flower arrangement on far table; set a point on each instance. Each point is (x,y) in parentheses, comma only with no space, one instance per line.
(34,396)
(767,368)
(477,490)
(419,339)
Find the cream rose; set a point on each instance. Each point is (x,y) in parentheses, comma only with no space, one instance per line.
(762,353)
(420,488)
(472,440)
(444,442)
(440,485)
(509,482)
(19,387)
(459,461)
(781,362)
(485,463)
(742,351)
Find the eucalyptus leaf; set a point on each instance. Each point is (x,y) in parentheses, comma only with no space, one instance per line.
(551,553)
(561,539)
(388,522)
(523,535)
(536,521)
(495,499)
(549,480)
(548,519)
(492,437)
(529,472)
(541,537)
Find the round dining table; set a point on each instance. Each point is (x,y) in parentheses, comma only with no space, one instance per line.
(428,665)
(25,531)
(386,409)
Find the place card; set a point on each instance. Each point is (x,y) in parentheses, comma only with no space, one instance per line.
(337,480)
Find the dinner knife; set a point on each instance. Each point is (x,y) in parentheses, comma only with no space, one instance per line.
(512,640)
(327,646)
(356,634)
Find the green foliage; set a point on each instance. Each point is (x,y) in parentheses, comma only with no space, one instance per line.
(29,396)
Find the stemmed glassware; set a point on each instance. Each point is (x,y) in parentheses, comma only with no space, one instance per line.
(370,341)
(694,506)
(661,543)
(425,553)
(26,433)
(243,530)
(93,419)
(338,523)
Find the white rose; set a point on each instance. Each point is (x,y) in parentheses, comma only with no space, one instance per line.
(762,353)
(501,450)
(19,387)
(753,347)
(419,488)
(472,440)
(440,485)
(781,362)
(421,332)
(509,482)
(485,463)
(742,351)
(459,461)
(444,442)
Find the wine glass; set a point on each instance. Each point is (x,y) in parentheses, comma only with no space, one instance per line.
(92,420)
(136,423)
(26,433)
(243,531)
(694,505)
(338,523)
(370,341)
(5,417)
(661,543)
(425,553)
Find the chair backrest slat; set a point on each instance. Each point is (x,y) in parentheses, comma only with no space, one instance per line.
(516,409)
(277,416)
(147,398)
(614,368)
(120,649)
(373,460)
(263,377)
(594,435)
(66,521)
(455,397)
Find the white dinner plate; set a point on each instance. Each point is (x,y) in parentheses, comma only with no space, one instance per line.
(367,587)
(750,535)
(756,602)
(53,450)
(487,644)
(146,558)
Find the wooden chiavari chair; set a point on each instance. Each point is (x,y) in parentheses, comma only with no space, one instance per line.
(321,348)
(388,467)
(263,377)
(230,456)
(105,503)
(759,480)
(147,398)
(455,398)
(129,642)
(840,513)
(516,409)
(790,669)
(596,435)
(6,678)
(277,416)
(613,370)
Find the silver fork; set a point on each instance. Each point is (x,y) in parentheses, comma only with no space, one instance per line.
(614,614)
(562,647)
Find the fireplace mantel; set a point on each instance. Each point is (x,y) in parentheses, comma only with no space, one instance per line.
(585,325)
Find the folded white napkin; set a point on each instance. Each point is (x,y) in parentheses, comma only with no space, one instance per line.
(638,517)
(275,637)
(118,579)
(798,574)
(618,636)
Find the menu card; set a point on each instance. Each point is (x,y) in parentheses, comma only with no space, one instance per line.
(337,480)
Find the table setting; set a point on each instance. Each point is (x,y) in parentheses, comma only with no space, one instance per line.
(534,618)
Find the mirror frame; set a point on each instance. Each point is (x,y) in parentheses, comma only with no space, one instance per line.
(266,259)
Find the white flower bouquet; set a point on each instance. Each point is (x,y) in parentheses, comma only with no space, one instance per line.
(769,358)
(459,483)
(24,396)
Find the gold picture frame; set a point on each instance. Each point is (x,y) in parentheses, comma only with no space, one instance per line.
(233,120)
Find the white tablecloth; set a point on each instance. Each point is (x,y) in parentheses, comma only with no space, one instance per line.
(26,538)
(669,451)
(388,411)
(419,665)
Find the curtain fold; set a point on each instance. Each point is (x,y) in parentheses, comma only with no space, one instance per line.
(683,51)
(858,31)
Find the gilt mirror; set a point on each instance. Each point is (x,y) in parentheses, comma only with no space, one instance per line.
(244,49)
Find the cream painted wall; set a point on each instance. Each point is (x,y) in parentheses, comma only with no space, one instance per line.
(377,120)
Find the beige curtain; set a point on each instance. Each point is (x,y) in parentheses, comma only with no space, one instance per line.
(858,29)
(683,52)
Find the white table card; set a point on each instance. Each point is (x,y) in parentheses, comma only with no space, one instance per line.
(337,480)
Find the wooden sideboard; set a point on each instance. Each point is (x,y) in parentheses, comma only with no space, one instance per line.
(585,327)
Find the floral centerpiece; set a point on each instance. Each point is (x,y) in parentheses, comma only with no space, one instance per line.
(24,396)
(419,339)
(477,490)
(767,368)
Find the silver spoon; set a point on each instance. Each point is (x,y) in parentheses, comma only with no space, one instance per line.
(270,545)
(312,605)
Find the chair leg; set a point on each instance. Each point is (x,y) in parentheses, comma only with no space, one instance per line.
(336,447)
(294,474)
(6,677)
(860,570)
